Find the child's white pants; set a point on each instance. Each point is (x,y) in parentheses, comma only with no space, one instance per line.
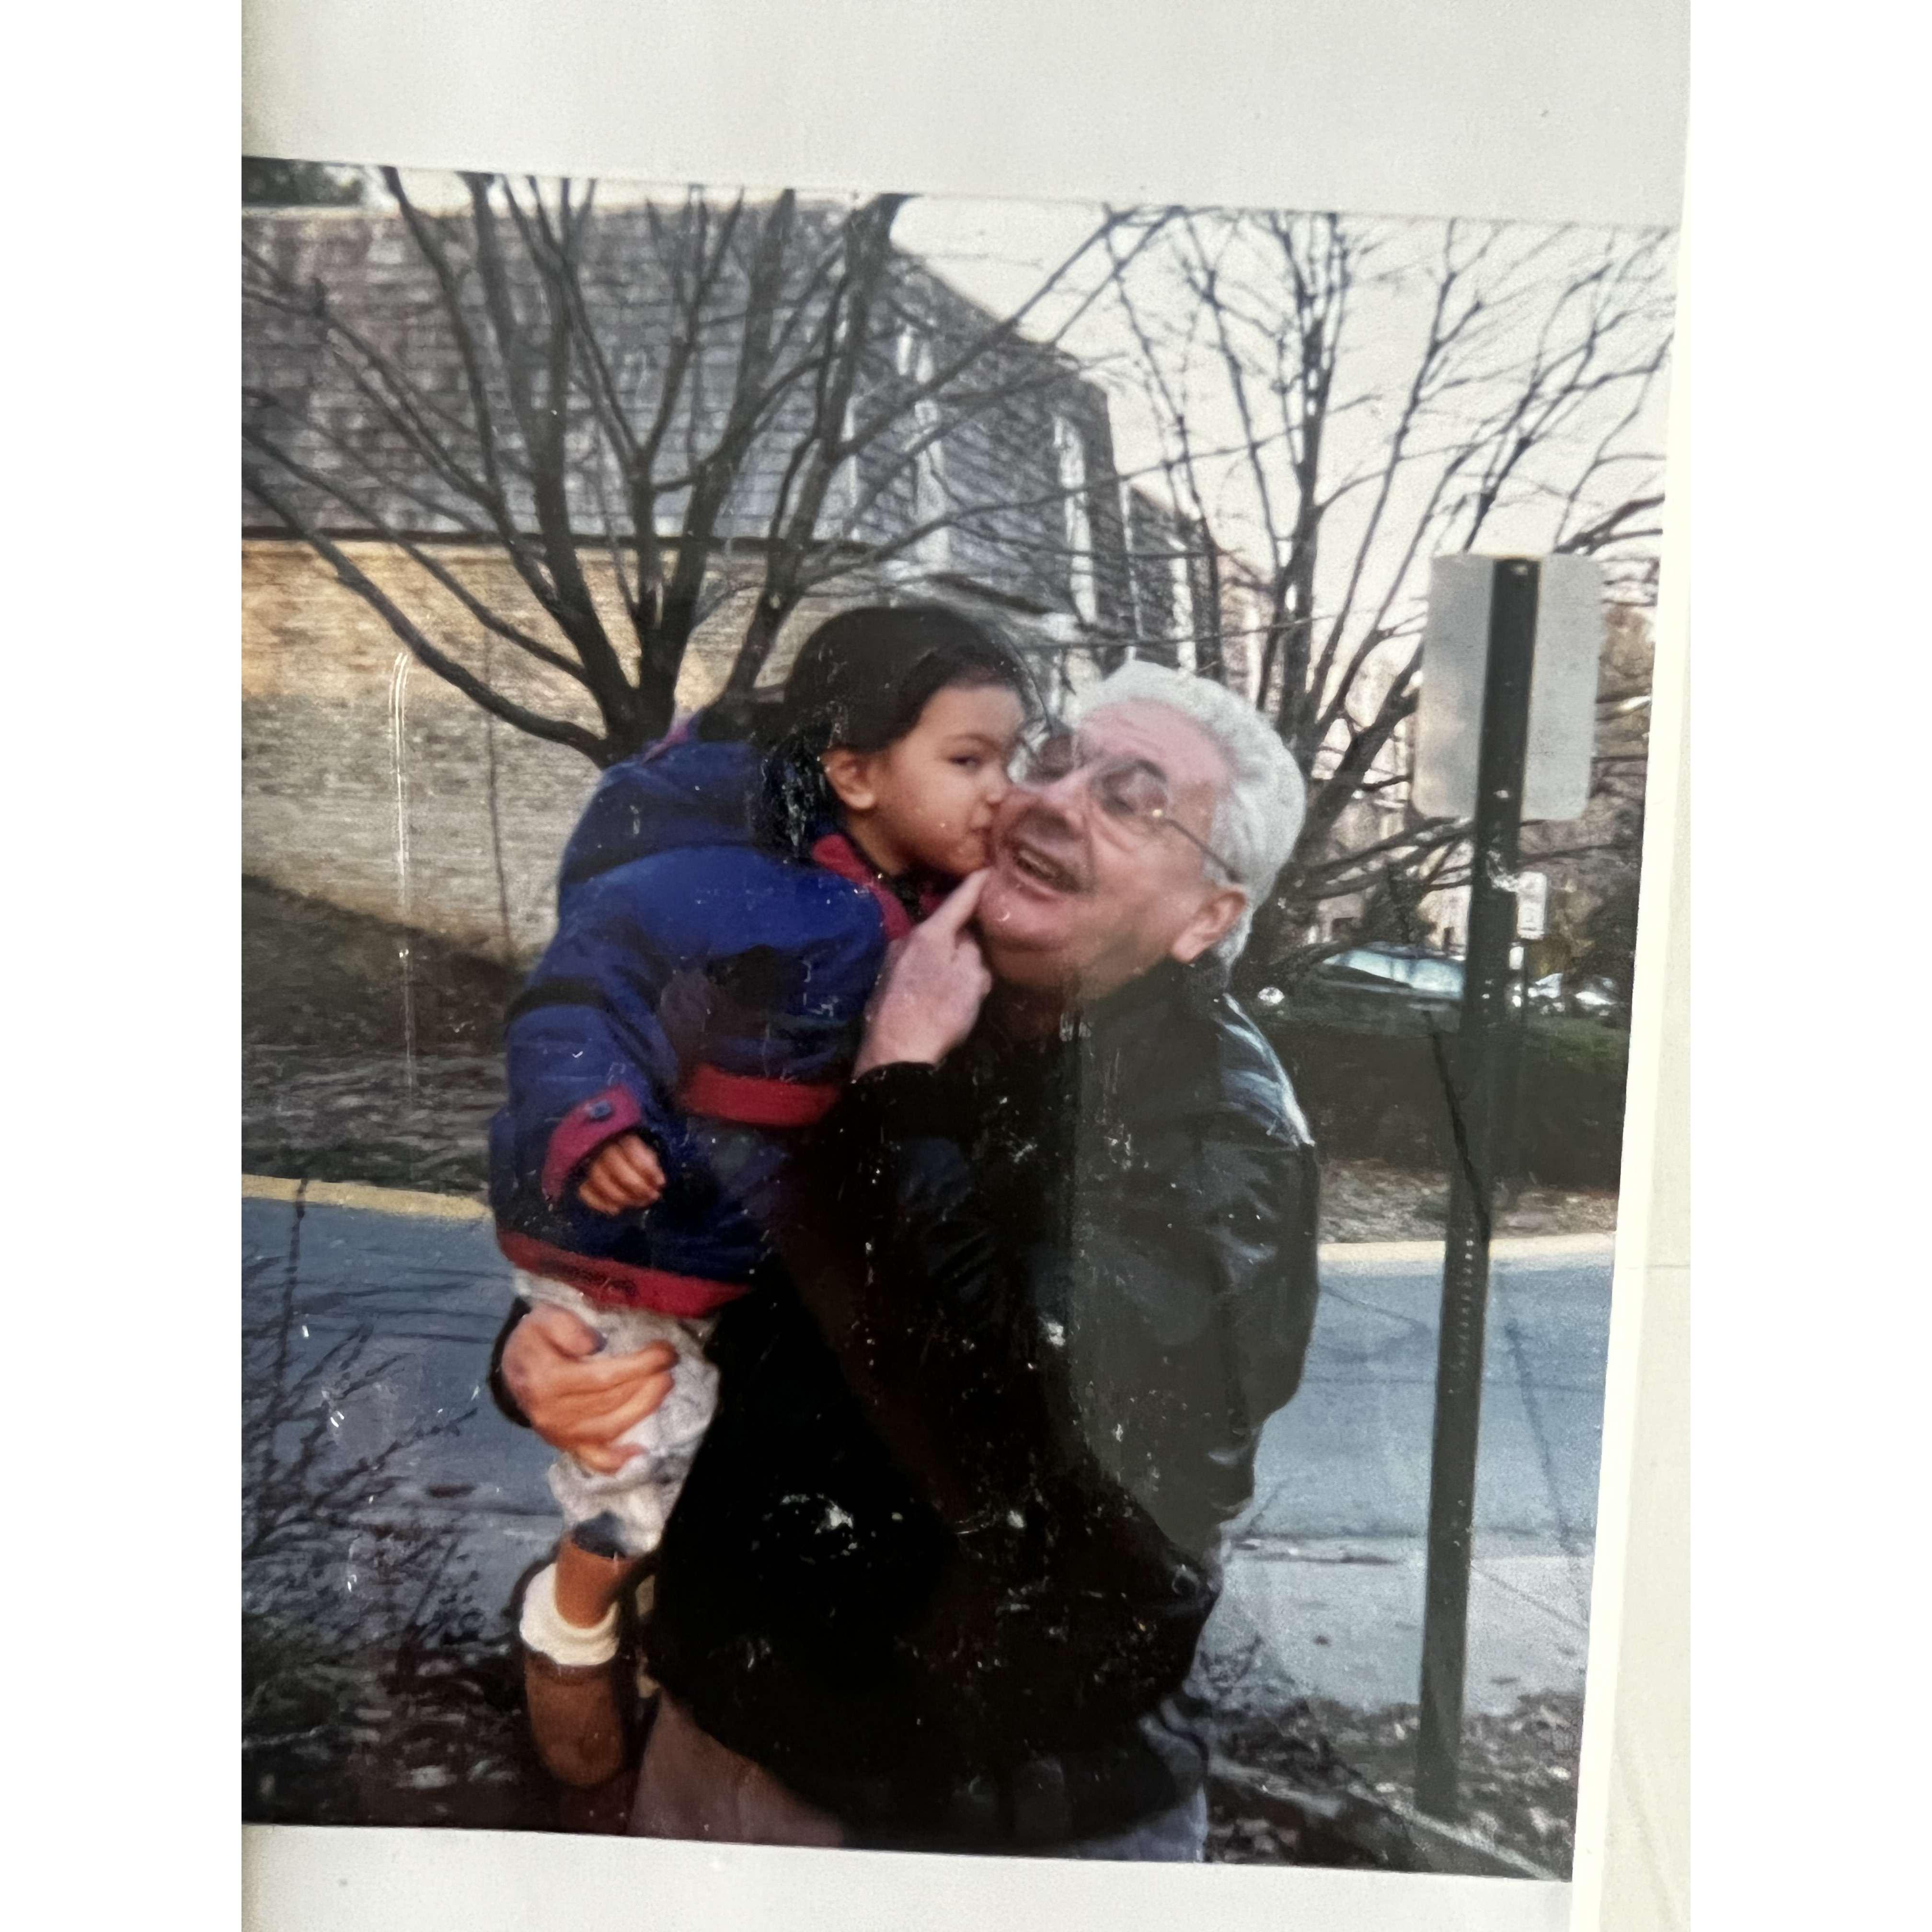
(631,1507)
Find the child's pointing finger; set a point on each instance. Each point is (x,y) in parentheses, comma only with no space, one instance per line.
(950,916)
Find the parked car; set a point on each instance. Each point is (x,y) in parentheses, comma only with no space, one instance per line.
(1592,996)
(1407,987)
(1380,989)
(1407,970)
(1397,972)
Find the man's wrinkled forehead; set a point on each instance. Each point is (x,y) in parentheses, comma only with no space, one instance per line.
(1143,727)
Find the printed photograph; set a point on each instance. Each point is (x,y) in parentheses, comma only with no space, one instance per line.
(939,906)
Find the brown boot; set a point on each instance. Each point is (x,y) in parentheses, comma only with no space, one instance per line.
(598,1810)
(574,1677)
(574,1717)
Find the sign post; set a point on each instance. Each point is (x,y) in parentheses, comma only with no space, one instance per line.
(1500,657)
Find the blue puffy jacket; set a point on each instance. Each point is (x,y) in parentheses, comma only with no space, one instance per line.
(705,989)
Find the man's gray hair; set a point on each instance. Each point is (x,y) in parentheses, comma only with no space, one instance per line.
(1259,815)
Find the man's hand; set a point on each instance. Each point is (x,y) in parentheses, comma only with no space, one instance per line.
(931,991)
(578,1400)
(623,1174)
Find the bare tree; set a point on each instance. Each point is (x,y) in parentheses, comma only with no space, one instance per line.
(649,410)
(337,1563)
(1324,449)
(305,1501)
(367,1659)
(626,395)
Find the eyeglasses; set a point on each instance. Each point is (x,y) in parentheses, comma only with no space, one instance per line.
(1133,793)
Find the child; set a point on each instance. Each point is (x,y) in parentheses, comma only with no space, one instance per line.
(724,910)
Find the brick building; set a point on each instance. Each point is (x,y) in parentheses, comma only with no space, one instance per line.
(370,782)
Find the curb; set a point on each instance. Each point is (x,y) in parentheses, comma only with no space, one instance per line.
(361,1194)
(1504,1247)
(402,1201)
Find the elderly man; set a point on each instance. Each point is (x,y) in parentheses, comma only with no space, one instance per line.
(939,1572)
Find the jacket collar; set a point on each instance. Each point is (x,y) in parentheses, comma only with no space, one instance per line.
(1162,988)
(902,902)
(1162,993)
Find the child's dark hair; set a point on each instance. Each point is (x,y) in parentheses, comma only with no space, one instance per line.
(863,678)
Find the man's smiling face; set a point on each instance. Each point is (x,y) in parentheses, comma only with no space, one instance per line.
(1081,901)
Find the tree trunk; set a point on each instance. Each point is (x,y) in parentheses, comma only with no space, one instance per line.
(761,637)
(1209,659)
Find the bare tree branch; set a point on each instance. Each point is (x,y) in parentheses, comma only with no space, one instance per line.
(557,730)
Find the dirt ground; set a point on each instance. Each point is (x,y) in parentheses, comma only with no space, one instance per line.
(1370,1201)
(1518,1774)
(432,1734)
(371,1053)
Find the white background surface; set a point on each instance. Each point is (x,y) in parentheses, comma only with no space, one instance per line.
(1475,107)
(1806,412)
(1510,108)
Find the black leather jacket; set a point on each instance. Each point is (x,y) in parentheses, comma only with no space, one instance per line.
(953,1536)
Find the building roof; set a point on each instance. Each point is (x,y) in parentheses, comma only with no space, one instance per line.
(353,363)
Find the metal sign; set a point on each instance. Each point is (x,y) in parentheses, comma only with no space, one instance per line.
(1532,904)
(1568,646)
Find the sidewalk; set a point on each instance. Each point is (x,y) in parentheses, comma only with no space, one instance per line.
(1342,1621)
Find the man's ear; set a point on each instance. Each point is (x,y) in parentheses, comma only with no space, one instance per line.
(850,775)
(1214,922)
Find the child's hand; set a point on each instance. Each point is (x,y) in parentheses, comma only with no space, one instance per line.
(930,994)
(622,1175)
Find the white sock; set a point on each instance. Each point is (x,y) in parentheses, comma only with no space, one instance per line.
(543,1627)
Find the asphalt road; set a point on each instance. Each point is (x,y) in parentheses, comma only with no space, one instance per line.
(1342,1477)
(1326,1572)
(1349,1455)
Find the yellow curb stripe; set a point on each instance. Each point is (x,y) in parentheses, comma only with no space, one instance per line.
(464,1207)
(360,1194)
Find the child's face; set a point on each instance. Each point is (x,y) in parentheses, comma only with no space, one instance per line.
(929,799)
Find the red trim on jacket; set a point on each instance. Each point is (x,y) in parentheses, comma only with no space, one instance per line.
(756,1103)
(837,853)
(617,1284)
(581,1133)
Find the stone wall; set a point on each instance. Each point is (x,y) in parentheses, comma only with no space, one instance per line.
(453,825)
(336,806)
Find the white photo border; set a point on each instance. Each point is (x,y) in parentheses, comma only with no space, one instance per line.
(1501,109)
